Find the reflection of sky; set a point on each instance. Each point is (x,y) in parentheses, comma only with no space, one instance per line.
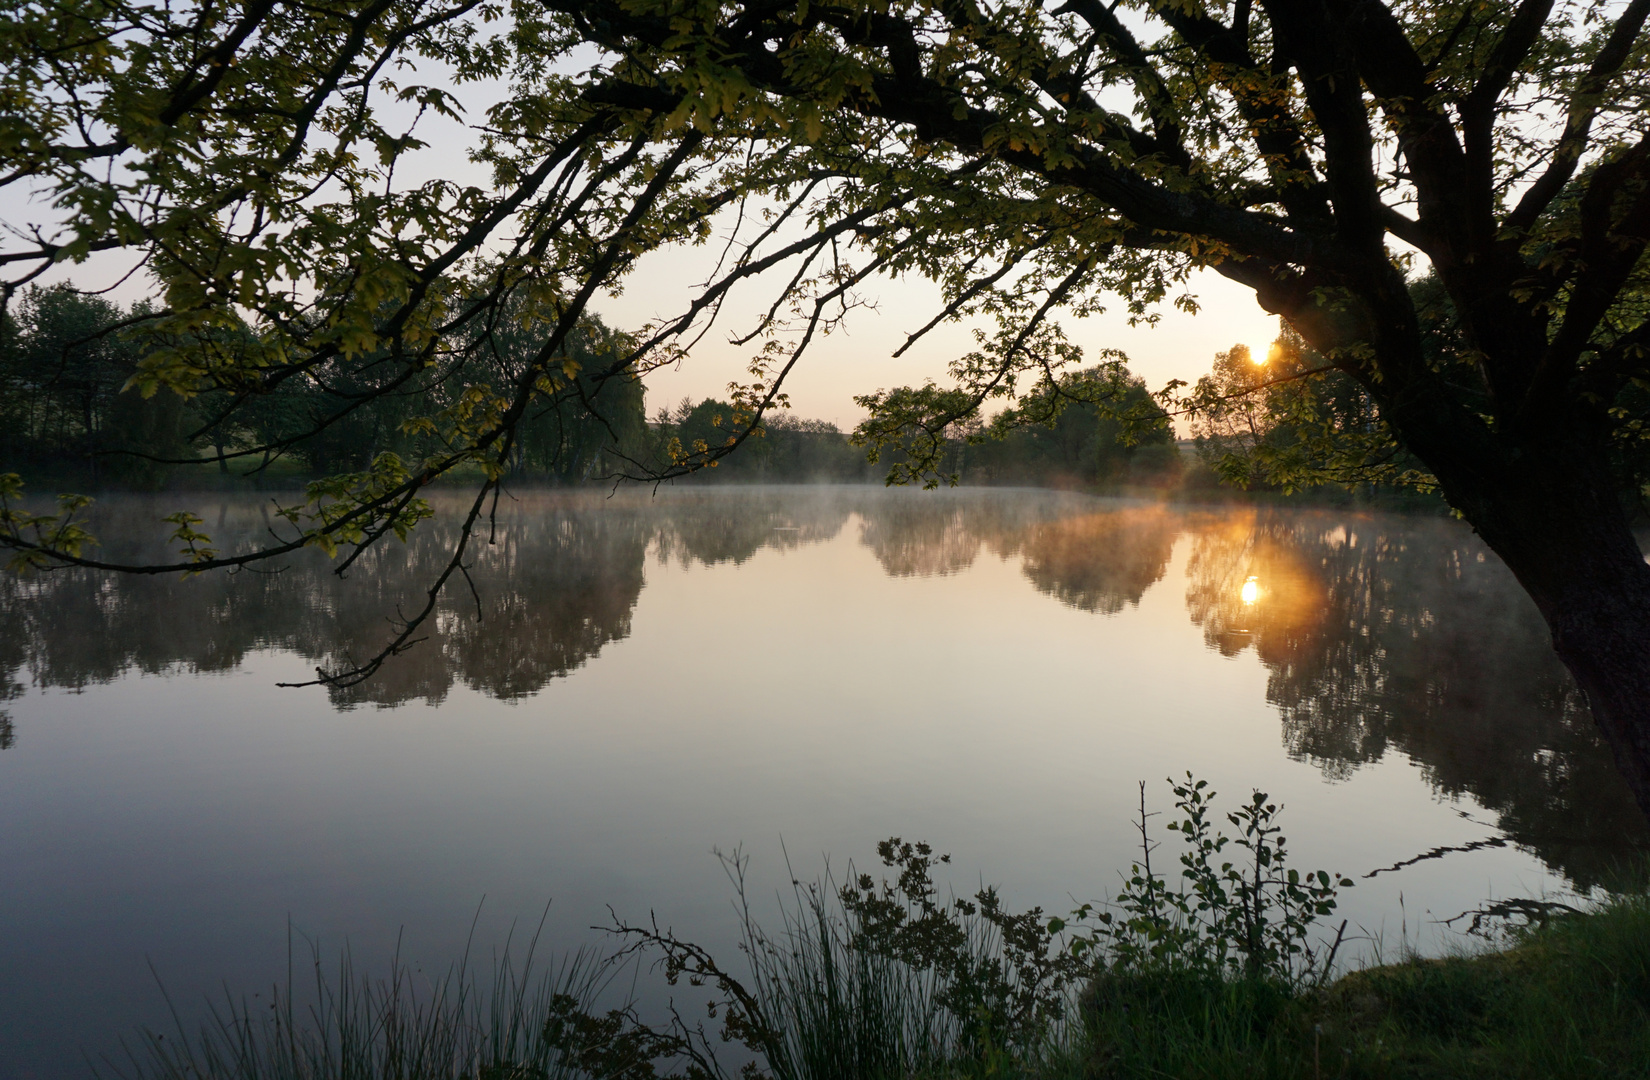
(802,694)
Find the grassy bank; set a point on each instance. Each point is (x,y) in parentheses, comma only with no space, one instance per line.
(1568,999)
(1227,970)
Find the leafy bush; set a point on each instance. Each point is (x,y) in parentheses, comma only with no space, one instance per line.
(879,978)
(1251,920)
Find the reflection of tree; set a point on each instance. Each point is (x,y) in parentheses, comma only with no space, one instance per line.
(1281,611)
(1101,561)
(922,538)
(942,532)
(560,586)
(557,583)
(715,525)
(1383,633)
(70,628)
(1379,634)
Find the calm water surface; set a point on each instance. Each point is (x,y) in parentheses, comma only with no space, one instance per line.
(790,670)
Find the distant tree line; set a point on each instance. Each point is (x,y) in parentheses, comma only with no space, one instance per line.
(66,406)
(786,448)
(65,362)
(1108,432)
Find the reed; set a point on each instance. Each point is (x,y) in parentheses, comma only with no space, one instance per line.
(525,1021)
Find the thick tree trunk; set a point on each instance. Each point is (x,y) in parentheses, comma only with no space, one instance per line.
(1560,528)
(1601,630)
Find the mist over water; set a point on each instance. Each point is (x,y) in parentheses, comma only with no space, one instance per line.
(801,671)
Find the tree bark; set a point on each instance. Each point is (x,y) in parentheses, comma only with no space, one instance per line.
(1560,527)
(1601,630)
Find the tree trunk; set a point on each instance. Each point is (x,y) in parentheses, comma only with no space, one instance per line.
(1600,618)
(1560,527)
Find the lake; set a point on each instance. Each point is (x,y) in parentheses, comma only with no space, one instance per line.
(796,672)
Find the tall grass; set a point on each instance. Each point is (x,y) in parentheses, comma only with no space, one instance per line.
(525,1022)
(822,1008)
(869,980)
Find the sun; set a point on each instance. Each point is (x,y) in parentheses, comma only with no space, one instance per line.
(1262,357)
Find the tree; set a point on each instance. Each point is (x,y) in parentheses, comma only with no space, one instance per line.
(1092,426)
(1258,420)
(789,449)
(63,362)
(1030,159)
(568,433)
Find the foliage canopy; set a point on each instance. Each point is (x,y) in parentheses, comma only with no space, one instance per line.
(261,162)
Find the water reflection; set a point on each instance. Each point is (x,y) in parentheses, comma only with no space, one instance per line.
(556,580)
(1100,562)
(1390,634)
(1377,634)
(1249,587)
(913,539)
(719,527)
